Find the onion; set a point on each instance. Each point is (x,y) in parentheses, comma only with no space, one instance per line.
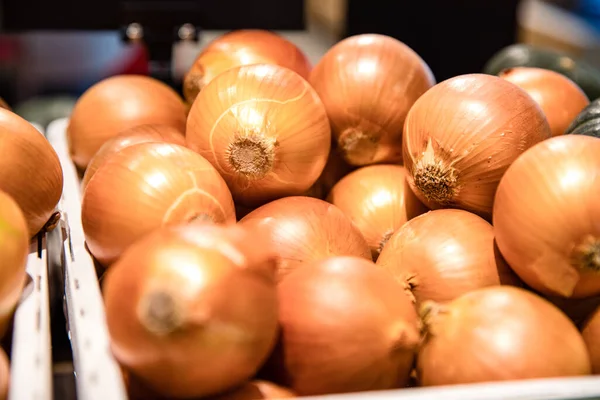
(559,97)
(192,310)
(444,254)
(265,130)
(145,186)
(335,169)
(14,248)
(150,133)
(496,334)
(242,47)
(257,390)
(368,83)
(304,230)
(346,326)
(4,375)
(116,104)
(546,216)
(378,201)
(30,171)
(591,335)
(461,136)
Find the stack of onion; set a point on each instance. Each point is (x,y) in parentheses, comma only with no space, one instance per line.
(461,136)
(265,130)
(444,254)
(591,335)
(145,186)
(496,334)
(368,83)
(304,230)
(378,200)
(151,133)
(559,97)
(346,327)
(546,216)
(14,247)
(242,47)
(30,171)
(192,310)
(116,104)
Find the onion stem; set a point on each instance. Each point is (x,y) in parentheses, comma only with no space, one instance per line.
(252,156)
(358,147)
(587,254)
(436,180)
(160,314)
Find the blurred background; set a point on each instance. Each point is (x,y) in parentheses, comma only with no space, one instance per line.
(52,50)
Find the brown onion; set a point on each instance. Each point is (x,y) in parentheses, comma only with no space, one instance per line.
(378,200)
(546,216)
(14,248)
(461,136)
(304,230)
(242,47)
(335,169)
(591,336)
(4,375)
(559,97)
(265,130)
(346,326)
(444,254)
(368,83)
(151,133)
(144,187)
(30,171)
(116,104)
(497,334)
(192,310)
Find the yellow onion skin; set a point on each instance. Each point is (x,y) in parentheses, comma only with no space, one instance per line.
(462,135)
(498,334)
(444,254)
(303,230)
(346,326)
(591,335)
(546,216)
(378,200)
(264,129)
(144,187)
(30,171)
(368,83)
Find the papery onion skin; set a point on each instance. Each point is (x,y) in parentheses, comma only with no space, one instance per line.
(461,136)
(368,83)
(303,230)
(30,171)
(546,216)
(346,326)
(150,133)
(191,293)
(265,130)
(14,248)
(242,47)
(591,336)
(146,186)
(116,104)
(558,96)
(444,254)
(378,200)
(497,334)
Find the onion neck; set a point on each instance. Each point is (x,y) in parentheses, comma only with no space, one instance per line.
(252,156)
(586,255)
(358,147)
(384,239)
(160,313)
(435,179)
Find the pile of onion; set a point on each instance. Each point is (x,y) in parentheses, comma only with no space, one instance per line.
(378,200)
(559,97)
(591,336)
(192,310)
(546,216)
(14,248)
(265,130)
(497,334)
(335,169)
(242,47)
(30,171)
(116,104)
(303,230)
(368,83)
(146,186)
(461,136)
(345,327)
(444,254)
(151,133)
